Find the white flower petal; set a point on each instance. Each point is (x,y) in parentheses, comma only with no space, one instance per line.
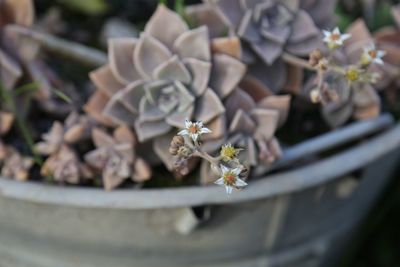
(199,124)
(228,189)
(240,182)
(378,61)
(205,130)
(188,123)
(237,171)
(336,31)
(327,34)
(380,53)
(195,136)
(220,181)
(183,132)
(345,36)
(224,169)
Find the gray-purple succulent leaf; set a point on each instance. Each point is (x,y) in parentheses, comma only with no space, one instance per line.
(165,76)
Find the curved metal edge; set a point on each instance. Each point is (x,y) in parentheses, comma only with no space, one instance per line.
(272,185)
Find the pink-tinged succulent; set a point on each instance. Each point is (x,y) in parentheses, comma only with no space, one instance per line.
(13,164)
(168,74)
(63,163)
(254,114)
(115,158)
(267,29)
(322,12)
(351,95)
(388,39)
(12,12)
(6,122)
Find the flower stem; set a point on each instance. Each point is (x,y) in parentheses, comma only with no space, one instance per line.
(296,61)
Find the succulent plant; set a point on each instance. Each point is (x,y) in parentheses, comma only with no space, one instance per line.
(267,29)
(63,164)
(346,81)
(254,114)
(167,75)
(322,12)
(388,39)
(115,158)
(13,164)
(12,11)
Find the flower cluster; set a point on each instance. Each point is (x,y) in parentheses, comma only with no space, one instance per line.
(227,166)
(343,84)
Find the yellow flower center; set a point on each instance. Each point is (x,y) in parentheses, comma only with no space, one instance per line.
(228,152)
(353,75)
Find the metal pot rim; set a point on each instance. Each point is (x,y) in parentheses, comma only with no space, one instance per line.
(272,185)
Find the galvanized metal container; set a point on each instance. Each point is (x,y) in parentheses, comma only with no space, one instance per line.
(299,217)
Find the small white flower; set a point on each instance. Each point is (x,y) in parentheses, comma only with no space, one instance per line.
(372,55)
(194,130)
(335,39)
(230,179)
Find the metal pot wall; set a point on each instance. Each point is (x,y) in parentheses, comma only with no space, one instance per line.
(299,216)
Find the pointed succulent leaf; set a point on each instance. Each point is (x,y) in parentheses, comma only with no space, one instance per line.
(280,103)
(10,71)
(267,123)
(149,112)
(238,100)
(303,27)
(150,129)
(117,112)
(131,95)
(177,119)
(366,102)
(6,121)
(193,44)
(172,70)
(200,72)
(227,72)
(201,14)
(141,171)
(105,80)
(101,138)
(227,45)
(166,26)
(242,122)
(121,65)
(149,53)
(161,145)
(95,107)
(208,107)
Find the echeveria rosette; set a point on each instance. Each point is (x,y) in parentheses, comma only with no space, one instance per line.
(168,74)
(267,28)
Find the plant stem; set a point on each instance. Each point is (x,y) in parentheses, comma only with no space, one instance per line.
(296,61)
(9,100)
(70,50)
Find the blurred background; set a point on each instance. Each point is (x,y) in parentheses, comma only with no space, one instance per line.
(378,241)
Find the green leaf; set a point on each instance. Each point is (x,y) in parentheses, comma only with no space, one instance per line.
(27,88)
(61,95)
(88,7)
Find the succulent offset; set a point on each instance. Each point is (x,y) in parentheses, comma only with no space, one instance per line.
(115,159)
(63,163)
(168,74)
